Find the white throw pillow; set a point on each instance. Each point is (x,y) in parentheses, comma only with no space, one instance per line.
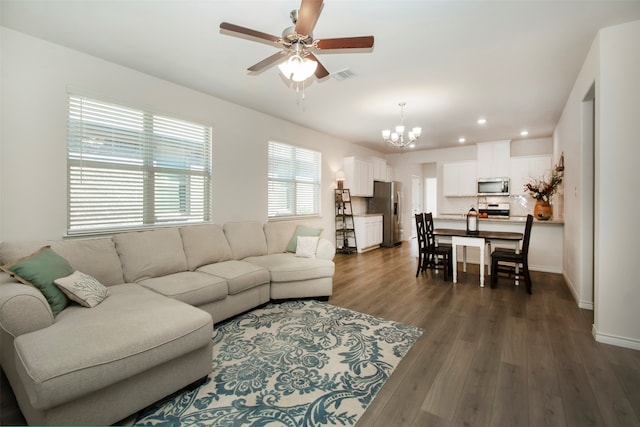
(307,246)
(83,289)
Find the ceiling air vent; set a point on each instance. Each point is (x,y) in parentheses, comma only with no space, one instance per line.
(343,74)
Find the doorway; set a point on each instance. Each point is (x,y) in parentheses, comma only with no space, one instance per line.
(416,201)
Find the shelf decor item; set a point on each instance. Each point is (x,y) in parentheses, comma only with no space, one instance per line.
(542,190)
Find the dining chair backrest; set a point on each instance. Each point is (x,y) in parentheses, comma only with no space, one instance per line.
(527,236)
(421,230)
(428,222)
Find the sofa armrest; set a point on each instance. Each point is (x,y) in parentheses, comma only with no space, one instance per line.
(326,249)
(23,309)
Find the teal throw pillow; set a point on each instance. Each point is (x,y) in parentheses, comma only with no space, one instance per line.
(40,269)
(304,231)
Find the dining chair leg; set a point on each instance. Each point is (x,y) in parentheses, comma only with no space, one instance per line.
(527,277)
(494,272)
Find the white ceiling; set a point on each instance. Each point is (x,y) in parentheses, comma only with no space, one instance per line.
(513,62)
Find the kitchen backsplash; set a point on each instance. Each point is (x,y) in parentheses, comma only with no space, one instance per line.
(519,205)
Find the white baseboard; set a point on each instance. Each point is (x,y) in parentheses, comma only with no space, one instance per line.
(633,344)
(587,305)
(545,269)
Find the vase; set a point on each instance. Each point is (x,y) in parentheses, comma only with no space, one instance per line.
(542,210)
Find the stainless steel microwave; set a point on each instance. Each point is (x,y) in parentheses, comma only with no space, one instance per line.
(493,187)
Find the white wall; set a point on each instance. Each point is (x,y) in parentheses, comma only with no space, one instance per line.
(613,64)
(569,138)
(35,78)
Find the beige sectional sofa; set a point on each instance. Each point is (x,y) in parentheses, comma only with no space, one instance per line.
(152,335)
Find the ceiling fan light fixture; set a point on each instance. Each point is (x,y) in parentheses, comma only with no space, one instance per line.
(297,68)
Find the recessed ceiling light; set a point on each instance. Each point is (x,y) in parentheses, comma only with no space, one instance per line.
(524,133)
(482,121)
(462,140)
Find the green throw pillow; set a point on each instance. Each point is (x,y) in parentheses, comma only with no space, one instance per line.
(302,230)
(40,269)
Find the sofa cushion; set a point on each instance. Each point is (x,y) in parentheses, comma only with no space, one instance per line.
(146,254)
(239,275)
(82,288)
(11,251)
(288,267)
(88,350)
(302,230)
(95,257)
(204,244)
(191,287)
(307,246)
(40,269)
(246,239)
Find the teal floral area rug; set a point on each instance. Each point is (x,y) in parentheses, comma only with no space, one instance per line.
(298,363)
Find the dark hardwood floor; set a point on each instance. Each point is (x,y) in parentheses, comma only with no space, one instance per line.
(487,357)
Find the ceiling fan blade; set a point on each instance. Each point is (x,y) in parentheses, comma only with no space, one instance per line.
(320,72)
(276,57)
(308,16)
(346,43)
(248,32)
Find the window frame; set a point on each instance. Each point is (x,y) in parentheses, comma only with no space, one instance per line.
(163,163)
(294,184)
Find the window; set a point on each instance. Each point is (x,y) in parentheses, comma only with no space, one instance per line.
(294,181)
(128,168)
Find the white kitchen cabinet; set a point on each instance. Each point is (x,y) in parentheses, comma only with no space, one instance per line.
(379,169)
(524,169)
(368,232)
(493,159)
(358,176)
(459,179)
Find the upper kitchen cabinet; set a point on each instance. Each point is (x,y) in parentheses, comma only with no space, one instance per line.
(493,159)
(358,176)
(523,169)
(379,169)
(459,179)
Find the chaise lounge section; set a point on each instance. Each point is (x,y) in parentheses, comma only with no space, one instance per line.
(152,335)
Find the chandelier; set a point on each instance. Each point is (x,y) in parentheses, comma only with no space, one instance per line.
(397,138)
(297,67)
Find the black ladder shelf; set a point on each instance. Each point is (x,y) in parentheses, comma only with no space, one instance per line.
(345,228)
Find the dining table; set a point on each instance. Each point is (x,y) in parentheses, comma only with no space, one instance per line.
(479,239)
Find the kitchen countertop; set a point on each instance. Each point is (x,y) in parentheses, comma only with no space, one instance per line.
(511,219)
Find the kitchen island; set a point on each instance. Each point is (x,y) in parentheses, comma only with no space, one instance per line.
(545,247)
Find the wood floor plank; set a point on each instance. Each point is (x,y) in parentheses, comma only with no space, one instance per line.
(476,400)
(613,404)
(511,402)
(545,400)
(514,348)
(447,386)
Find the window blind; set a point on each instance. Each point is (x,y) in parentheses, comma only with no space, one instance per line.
(129,168)
(294,181)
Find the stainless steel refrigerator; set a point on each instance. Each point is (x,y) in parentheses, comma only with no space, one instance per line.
(386,200)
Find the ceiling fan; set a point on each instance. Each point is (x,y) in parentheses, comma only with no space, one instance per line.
(297,42)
